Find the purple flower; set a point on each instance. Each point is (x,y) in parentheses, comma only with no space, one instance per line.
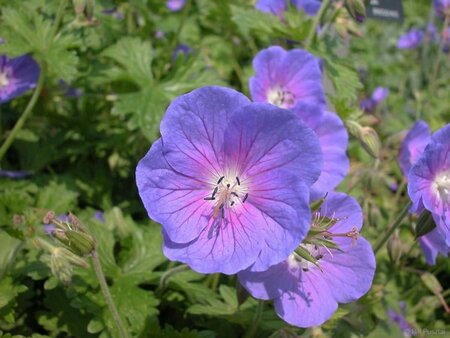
(305,294)
(311,7)
(378,96)
(182,50)
(441,8)
(175,5)
(229,181)
(284,78)
(411,39)
(15,174)
(429,181)
(68,90)
(276,7)
(114,13)
(100,216)
(399,318)
(446,40)
(413,145)
(333,138)
(432,244)
(17,75)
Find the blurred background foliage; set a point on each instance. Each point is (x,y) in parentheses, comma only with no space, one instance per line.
(109,79)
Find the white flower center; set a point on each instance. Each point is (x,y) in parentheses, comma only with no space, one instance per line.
(441,185)
(228,192)
(295,261)
(281,97)
(4,80)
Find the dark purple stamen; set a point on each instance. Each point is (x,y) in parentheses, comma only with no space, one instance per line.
(214,192)
(245,198)
(209,198)
(220,179)
(234,194)
(238,181)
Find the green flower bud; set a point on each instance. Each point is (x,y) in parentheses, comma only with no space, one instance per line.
(356,9)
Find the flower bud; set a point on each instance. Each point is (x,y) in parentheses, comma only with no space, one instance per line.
(79,6)
(356,9)
(60,266)
(90,6)
(394,248)
(367,136)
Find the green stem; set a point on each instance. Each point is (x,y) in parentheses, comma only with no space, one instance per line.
(316,22)
(59,16)
(437,63)
(27,112)
(256,320)
(107,295)
(392,228)
(184,15)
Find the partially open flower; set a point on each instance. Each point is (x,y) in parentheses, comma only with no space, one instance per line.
(334,265)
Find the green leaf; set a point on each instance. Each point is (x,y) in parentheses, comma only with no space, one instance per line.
(57,197)
(134,56)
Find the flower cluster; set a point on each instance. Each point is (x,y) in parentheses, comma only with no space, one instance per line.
(232,183)
(425,161)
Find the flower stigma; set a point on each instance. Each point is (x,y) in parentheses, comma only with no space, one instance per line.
(281,98)
(228,191)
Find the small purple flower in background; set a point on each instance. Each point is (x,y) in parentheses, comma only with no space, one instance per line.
(2,41)
(181,50)
(175,5)
(17,76)
(15,174)
(411,39)
(114,13)
(399,318)
(159,34)
(441,8)
(333,139)
(378,96)
(429,181)
(276,7)
(446,40)
(50,227)
(229,181)
(100,216)
(68,90)
(311,7)
(285,78)
(307,294)
(413,145)
(431,32)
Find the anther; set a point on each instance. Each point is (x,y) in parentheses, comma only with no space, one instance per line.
(238,181)
(234,194)
(209,198)
(220,180)
(223,212)
(214,192)
(232,203)
(245,198)
(228,185)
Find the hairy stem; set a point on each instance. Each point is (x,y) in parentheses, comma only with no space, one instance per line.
(107,295)
(256,320)
(392,228)
(316,23)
